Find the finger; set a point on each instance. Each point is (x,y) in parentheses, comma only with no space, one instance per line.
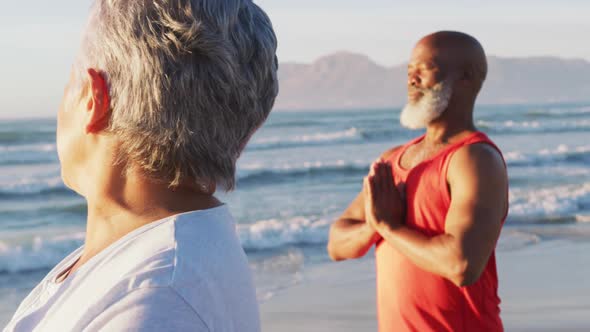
(372,169)
(375,167)
(373,183)
(366,189)
(392,176)
(367,200)
(376,192)
(377,177)
(384,179)
(389,176)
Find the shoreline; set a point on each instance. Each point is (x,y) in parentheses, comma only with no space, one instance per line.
(536,294)
(544,286)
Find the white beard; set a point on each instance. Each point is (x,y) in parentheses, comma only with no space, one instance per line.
(428,108)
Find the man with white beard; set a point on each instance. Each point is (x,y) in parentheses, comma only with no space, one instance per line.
(434,207)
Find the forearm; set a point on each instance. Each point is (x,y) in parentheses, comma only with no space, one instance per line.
(350,239)
(440,255)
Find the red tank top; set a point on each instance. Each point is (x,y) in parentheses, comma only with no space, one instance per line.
(411,299)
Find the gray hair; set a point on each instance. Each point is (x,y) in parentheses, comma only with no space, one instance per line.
(190,82)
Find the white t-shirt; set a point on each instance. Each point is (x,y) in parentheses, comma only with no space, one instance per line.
(183,273)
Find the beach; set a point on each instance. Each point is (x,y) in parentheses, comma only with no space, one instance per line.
(543,287)
(297,174)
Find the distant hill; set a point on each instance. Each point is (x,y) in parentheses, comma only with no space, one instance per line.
(348,80)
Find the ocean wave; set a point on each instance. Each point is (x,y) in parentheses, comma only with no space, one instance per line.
(26,136)
(261,174)
(27,154)
(28,148)
(273,123)
(33,185)
(321,138)
(374,133)
(559,112)
(252,174)
(562,153)
(39,254)
(533,126)
(44,253)
(270,235)
(512,239)
(275,233)
(565,203)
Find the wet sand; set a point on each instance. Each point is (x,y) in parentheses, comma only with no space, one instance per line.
(544,287)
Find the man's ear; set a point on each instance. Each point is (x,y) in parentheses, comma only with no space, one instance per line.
(468,75)
(98,106)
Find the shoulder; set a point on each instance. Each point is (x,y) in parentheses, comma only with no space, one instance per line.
(480,160)
(212,271)
(149,309)
(480,153)
(204,238)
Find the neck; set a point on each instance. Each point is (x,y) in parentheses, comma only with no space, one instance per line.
(454,122)
(121,203)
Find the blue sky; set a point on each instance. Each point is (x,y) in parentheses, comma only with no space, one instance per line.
(39,38)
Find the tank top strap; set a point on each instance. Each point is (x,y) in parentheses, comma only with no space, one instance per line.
(477,137)
(394,159)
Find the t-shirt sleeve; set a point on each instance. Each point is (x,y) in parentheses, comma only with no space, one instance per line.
(146,310)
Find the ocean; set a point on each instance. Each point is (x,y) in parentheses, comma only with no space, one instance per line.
(298,173)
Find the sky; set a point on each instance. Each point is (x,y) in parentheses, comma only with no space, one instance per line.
(39,39)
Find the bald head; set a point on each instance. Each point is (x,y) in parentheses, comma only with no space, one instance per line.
(447,70)
(459,54)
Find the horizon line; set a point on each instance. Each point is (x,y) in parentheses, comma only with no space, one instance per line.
(342,109)
(346,52)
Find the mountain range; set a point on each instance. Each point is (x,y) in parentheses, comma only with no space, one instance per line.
(347,80)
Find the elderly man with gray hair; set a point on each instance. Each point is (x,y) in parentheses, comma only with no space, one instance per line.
(161,102)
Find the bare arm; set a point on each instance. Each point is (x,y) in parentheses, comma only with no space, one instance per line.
(350,236)
(479,186)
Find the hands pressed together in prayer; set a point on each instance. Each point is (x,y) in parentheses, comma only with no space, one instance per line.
(384,207)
